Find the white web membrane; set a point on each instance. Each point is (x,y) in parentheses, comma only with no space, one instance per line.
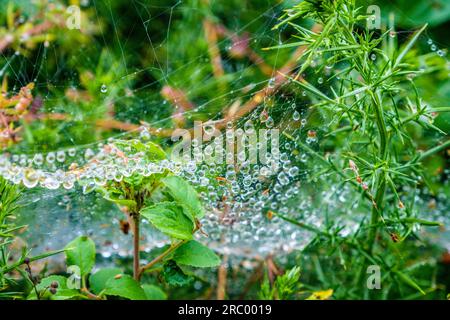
(61,201)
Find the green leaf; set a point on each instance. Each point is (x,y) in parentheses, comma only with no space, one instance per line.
(154,292)
(154,151)
(125,287)
(151,150)
(174,276)
(195,254)
(169,219)
(410,282)
(62,292)
(81,252)
(184,194)
(98,280)
(122,202)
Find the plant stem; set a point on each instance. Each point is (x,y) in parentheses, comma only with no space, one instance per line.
(222,279)
(159,258)
(434,150)
(381,179)
(90,295)
(136,258)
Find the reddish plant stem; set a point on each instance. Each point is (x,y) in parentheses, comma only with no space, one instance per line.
(136,255)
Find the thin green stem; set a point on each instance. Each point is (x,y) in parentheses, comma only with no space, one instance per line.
(160,257)
(381,179)
(434,150)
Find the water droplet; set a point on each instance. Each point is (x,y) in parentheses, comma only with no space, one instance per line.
(72,152)
(60,156)
(103,89)
(296,115)
(38,159)
(50,157)
(30,178)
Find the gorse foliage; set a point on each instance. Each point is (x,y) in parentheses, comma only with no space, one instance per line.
(371,107)
(8,204)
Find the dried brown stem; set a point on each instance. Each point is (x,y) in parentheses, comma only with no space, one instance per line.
(213,49)
(222,278)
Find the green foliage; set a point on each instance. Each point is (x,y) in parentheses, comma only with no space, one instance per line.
(170,219)
(174,275)
(153,292)
(61,290)
(125,287)
(103,284)
(285,286)
(9,196)
(184,194)
(98,280)
(195,254)
(81,252)
(370,108)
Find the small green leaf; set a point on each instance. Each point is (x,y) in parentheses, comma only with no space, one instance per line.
(151,150)
(154,292)
(184,194)
(169,219)
(122,202)
(174,276)
(195,254)
(62,292)
(46,282)
(125,287)
(98,280)
(81,252)
(410,282)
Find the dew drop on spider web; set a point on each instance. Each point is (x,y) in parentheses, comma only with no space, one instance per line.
(50,157)
(269,122)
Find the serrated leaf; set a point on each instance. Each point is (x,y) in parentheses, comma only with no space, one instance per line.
(98,280)
(174,276)
(184,194)
(195,254)
(125,287)
(170,219)
(151,150)
(154,292)
(81,252)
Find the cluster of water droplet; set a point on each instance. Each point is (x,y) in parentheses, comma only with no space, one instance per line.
(237,197)
(434,48)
